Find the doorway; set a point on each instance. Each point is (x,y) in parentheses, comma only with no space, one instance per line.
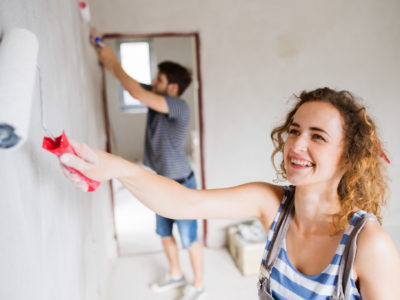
(125,128)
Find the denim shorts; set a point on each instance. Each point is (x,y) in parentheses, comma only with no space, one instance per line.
(187,228)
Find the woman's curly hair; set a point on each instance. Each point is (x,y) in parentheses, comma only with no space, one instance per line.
(364,184)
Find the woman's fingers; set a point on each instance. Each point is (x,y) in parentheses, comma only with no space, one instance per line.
(75,179)
(75,162)
(84,152)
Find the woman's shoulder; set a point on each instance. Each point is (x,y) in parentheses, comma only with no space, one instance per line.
(267,190)
(374,240)
(377,259)
(268,197)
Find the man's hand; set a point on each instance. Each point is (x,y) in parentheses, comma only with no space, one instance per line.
(106,54)
(96,39)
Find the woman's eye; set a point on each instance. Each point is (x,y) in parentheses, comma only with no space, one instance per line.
(318,137)
(293,131)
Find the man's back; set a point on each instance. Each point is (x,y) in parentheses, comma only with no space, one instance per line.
(166,139)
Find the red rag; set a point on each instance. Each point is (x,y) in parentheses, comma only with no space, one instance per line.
(61,145)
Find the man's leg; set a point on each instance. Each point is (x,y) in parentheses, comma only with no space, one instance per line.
(171,250)
(174,278)
(188,234)
(196,258)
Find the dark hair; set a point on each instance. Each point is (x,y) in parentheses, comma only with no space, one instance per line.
(176,73)
(364,184)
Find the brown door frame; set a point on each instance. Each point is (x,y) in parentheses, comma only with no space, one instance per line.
(200,108)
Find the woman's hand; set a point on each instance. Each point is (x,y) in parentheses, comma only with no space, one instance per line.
(92,163)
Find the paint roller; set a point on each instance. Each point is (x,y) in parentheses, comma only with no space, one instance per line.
(18,64)
(18,58)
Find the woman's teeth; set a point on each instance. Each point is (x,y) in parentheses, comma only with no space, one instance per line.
(303,163)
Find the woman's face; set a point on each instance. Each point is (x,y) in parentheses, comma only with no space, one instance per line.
(314,146)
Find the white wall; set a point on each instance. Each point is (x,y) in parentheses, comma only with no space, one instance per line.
(56,242)
(255,54)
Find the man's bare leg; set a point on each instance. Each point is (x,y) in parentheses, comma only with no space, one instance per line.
(196,258)
(171,250)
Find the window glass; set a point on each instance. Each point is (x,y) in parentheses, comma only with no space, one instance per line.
(135,58)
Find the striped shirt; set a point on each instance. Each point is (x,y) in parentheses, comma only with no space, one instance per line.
(166,139)
(289,283)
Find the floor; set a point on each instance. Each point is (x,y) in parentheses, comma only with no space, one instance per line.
(133,275)
(142,261)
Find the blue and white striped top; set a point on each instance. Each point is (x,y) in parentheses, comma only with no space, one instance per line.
(289,283)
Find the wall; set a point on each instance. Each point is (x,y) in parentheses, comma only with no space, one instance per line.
(56,242)
(256,54)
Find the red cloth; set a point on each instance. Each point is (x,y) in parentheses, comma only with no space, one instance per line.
(61,145)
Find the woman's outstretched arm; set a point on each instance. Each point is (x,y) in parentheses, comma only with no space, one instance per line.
(169,198)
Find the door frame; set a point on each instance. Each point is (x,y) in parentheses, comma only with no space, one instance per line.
(196,36)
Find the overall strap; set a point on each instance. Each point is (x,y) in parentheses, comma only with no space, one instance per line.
(343,286)
(281,228)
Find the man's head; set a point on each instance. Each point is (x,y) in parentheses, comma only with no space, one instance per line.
(172,79)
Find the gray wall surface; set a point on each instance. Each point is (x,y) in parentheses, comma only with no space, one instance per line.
(256,54)
(56,241)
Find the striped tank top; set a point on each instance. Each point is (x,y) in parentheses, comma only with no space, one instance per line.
(289,283)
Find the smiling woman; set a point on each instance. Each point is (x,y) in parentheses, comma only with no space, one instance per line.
(314,154)
(347,138)
(324,241)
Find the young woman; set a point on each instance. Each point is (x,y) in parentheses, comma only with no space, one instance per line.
(332,157)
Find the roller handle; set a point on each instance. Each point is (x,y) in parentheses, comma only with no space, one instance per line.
(59,146)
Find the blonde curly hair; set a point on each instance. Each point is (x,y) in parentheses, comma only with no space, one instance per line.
(364,184)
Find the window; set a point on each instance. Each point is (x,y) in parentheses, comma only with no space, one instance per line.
(136,60)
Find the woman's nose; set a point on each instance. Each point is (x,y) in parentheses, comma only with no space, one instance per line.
(300,144)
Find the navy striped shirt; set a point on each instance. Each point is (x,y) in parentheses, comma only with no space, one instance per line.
(166,139)
(288,283)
